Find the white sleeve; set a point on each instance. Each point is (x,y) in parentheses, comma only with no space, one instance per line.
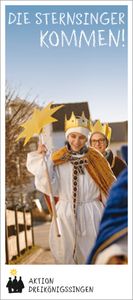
(116,249)
(36,164)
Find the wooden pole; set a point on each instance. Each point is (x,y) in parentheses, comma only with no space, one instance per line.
(6,231)
(57,228)
(25,228)
(52,202)
(33,242)
(17,231)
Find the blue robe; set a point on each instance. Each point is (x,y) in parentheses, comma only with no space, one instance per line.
(113,225)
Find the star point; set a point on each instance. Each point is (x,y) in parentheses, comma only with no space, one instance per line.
(37,122)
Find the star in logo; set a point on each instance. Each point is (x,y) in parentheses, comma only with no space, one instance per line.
(13,272)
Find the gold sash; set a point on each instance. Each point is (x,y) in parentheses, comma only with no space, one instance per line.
(97,166)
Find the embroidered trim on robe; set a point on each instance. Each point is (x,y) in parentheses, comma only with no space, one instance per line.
(97,166)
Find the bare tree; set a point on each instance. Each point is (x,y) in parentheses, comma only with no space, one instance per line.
(17,112)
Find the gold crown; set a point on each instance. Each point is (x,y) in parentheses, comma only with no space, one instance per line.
(79,121)
(104,129)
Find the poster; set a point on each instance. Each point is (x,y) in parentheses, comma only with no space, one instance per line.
(68,51)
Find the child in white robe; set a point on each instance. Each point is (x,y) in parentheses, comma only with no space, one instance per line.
(81,178)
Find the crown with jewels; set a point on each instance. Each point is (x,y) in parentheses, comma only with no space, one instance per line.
(79,121)
(104,129)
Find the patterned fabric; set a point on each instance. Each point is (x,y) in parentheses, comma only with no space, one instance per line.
(97,166)
(78,169)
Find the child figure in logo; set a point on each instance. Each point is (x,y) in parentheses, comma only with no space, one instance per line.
(9,285)
(80,177)
(20,285)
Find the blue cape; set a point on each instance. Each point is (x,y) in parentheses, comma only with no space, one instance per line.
(114,221)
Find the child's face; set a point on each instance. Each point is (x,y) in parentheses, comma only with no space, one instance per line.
(99,142)
(76,141)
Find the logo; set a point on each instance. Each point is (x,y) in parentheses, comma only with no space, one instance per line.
(14,284)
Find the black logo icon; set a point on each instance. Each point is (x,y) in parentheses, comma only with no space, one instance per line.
(15,286)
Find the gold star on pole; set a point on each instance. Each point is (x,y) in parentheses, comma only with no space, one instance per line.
(39,119)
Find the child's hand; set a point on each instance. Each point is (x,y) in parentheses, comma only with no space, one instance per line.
(42,149)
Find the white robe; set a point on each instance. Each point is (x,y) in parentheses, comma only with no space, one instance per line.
(76,233)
